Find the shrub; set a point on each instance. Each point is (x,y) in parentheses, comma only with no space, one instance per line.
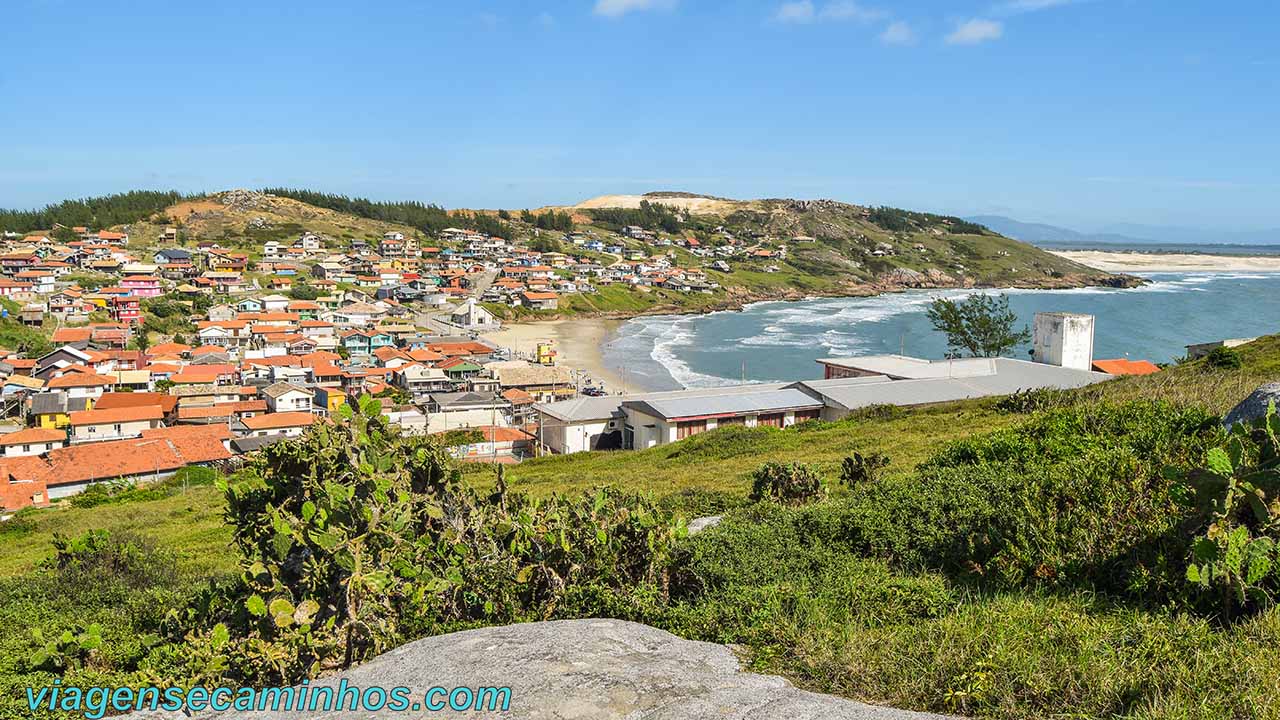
(858,468)
(1224,358)
(788,484)
(99,558)
(1073,497)
(1035,400)
(355,538)
(1233,566)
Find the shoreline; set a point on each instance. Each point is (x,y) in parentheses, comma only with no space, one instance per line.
(1133,261)
(578,343)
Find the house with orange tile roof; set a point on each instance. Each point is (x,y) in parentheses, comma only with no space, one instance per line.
(289,424)
(87,386)
(167,403)
(222,412)
(496,444)
(540,300)
(155,455)
(115,424)
(32,441)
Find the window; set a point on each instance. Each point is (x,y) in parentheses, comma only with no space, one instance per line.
(26,448)
(689,428)
(736,420)
(771,420)
(802,415)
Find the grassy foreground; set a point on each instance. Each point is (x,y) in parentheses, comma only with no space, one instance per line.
(1030,571)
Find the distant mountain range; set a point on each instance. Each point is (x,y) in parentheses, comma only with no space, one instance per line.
(1124,234)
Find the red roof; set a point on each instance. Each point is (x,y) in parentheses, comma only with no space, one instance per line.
(72,335)
(32,435)
(1122,366)
(114,401)
(79,379)
(159,450)
(517,396)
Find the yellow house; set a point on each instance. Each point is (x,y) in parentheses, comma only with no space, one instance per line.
(546,355)
(53,421)
(53,410)
(335,401)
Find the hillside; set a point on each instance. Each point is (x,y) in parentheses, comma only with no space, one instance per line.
(851,248)
(929,586)
(746,250)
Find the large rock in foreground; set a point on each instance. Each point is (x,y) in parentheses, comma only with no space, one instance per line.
(1254,406)
(587,670)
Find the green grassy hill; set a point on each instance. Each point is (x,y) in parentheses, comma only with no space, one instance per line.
(818,247)
(1014,560)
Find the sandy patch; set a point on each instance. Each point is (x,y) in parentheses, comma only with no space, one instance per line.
(579,344)
(706,206)
(1168,262)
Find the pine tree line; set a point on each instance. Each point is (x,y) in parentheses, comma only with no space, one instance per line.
(95,212)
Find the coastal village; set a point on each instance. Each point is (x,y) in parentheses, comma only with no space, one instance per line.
(256,347)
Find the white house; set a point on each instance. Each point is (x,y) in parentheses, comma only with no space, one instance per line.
(114,424)
(32,441)
(283,397)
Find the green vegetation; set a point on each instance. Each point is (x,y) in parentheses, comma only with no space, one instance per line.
(897,220)
(29,341)
(1037,570)
(549,220)
(789,484)
(427,218)
(96,212)
(650,216)
(983,325)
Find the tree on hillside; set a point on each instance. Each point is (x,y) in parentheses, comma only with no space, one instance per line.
(982,325)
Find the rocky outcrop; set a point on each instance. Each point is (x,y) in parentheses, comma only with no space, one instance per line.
(1254,406)
(588,670)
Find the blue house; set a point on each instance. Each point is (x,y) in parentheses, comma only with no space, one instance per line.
(364,342)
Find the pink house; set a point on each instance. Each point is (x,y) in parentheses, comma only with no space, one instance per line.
(141,285)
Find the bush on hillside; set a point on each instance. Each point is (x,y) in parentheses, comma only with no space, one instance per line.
(1233,565)
(1224,358)
(858,468)
(1073,497)
(788,484)
(355,538)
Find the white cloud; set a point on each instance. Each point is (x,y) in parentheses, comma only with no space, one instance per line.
(1026,6)
(804,11)
(898,33)
(976,31)
(618,8)
(801,11)
(849,10)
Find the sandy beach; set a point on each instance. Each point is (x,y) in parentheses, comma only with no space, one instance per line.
(1168,262)
(579,344)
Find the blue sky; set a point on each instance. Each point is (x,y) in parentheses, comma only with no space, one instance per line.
(1081,113)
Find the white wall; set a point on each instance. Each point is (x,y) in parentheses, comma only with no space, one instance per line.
(1063,339)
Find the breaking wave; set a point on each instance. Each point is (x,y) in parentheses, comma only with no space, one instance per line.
(779,340)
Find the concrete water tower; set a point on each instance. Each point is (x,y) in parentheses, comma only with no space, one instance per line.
(1063,339)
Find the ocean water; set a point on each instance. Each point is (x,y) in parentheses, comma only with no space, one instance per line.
(781,341)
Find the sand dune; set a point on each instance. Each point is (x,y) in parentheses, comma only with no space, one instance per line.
(1169,262)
